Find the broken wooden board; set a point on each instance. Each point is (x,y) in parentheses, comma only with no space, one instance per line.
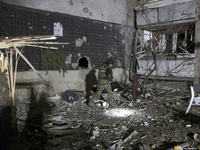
(34,41)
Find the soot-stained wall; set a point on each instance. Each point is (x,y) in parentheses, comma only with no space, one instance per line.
(88,38)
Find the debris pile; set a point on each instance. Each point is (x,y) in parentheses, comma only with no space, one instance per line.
(154,122)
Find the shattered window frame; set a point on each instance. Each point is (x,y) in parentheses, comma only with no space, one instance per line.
(174,41)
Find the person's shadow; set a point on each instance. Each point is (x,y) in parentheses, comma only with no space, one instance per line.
(90,83)
(33,132)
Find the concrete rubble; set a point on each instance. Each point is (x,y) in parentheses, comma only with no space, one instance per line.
(156,121)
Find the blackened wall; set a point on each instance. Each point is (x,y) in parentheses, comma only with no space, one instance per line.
(103,39)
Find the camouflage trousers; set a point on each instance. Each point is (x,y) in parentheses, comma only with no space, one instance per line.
(100,87)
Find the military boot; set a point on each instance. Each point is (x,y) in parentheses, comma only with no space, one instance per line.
(91,103)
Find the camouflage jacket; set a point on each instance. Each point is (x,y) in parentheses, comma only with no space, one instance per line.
(102,77)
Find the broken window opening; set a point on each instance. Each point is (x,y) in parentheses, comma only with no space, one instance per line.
(147,35)
(180,42)
(144,40)
(83,62)
(176,41)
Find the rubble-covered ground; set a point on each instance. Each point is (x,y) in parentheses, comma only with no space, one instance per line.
(157,121)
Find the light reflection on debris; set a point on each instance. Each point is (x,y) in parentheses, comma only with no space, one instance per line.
(121,112)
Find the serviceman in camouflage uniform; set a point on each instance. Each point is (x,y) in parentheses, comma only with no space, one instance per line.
(105,76)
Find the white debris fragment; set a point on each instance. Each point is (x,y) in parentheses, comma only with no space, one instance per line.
(146,123)
(188,126)
(196,137)
(84,39)
(47,124)
(104,95)
(138,100)
(56,97)
(95,133)
(101,103)
(105,104)
(116,89)
(124,128)
(197,100)
(58,118)
(76,126)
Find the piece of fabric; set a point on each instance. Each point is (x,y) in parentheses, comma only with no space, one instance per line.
(70,96)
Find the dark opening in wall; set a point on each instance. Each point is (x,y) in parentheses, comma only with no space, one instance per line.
(83,62)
